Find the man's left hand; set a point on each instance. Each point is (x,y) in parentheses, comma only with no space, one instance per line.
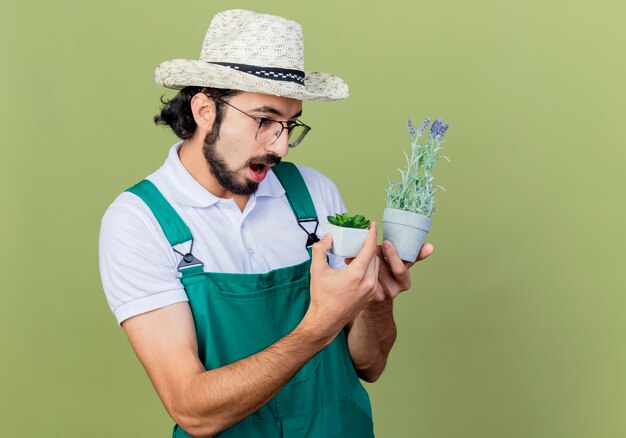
(393,273)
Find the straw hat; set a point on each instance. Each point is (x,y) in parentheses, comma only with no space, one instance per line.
(247,51)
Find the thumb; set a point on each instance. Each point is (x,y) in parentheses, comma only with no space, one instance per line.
(319,251)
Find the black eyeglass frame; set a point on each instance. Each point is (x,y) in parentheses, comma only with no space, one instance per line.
(290,126)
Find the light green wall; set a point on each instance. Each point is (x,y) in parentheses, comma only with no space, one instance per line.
(513,328)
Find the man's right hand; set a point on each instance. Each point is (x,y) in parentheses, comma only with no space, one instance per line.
(337,296)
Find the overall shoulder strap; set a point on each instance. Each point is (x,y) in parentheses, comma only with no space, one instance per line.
(173,226)
(296,190)
(175,230)
(298,196)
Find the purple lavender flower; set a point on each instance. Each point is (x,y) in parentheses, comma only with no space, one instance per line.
(411,129)
(423,126)
(438,128)
(434,130)
(443,130)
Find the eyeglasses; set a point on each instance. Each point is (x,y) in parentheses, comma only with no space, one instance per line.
(270,130)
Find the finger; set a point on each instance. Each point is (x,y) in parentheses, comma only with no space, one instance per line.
(372,267)
(372,275)
(388,282)
(395,263)
(368,251)
(383,266)
(319,251)
(426,250)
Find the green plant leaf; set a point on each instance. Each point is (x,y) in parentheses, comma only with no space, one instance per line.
(345,220)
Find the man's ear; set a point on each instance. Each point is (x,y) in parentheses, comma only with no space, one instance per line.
(203,109)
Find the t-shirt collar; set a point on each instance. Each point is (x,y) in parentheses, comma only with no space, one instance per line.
(190,192)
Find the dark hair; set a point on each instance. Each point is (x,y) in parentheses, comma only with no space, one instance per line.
(176,113)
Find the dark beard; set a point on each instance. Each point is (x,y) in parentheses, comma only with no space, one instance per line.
(229,178)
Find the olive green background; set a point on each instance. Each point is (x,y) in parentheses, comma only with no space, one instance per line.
(515,327)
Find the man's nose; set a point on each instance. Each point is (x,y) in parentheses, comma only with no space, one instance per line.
(280,146)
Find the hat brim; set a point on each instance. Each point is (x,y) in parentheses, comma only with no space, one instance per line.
(180,73)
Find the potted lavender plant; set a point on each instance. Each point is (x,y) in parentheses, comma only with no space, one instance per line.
(410,202)
(349,233)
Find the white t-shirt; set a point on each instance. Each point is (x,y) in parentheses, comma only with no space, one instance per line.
(139,268)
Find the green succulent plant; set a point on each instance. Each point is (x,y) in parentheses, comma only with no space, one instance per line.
(345,220)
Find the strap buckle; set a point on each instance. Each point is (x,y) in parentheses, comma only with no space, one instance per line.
(189,260)
(312,237)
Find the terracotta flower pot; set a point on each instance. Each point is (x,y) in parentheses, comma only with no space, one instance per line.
(406,231)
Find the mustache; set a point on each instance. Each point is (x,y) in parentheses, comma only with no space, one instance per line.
(266,160)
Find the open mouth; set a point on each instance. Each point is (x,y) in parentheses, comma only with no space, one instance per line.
(258,171)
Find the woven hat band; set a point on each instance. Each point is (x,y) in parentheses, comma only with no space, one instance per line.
(277,74)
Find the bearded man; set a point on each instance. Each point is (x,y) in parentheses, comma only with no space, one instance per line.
(245,324)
